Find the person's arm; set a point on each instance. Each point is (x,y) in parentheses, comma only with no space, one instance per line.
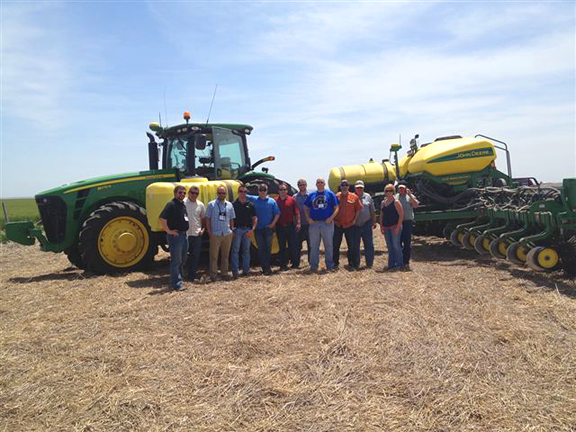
(412,200)
(273,223)
(382,218)
(358,207)
(207,219)
(400,211)
(276,211)
(373,214)
(232,215)
(308,218)
(202,220)
(164,224)
(254,224)
(298,216)
(334,213)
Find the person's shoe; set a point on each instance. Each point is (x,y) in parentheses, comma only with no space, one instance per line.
(283,268)
(234,276)
(178,288)
(295,266)
(245,274)
(267,272)
(369,266)
(213,278)
(313,270)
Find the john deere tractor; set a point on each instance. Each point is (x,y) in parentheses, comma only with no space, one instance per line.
(101,224)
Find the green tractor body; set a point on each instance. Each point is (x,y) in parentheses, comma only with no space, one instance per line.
(101,223)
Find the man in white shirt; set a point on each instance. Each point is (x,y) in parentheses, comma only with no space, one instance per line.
(196,212)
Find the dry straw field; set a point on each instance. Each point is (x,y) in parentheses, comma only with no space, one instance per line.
(460,343)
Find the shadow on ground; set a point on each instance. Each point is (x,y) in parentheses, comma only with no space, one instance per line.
(441,251)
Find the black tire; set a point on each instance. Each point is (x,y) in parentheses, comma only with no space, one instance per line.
(101,238)
(512,254)
(568,256)
(479,245)
(495,249)
(75,257)
(454,238)
(466,241)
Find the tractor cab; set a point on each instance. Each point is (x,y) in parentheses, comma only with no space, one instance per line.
(214,151)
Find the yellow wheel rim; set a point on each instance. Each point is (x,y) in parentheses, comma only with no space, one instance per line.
(522,253)
(502,246)
(472,239)
(460,237)
(486,243)
(548,258)
(123,241)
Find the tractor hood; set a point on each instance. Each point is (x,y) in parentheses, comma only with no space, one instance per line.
(107,181)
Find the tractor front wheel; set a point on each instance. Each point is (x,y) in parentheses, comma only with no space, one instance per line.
(115,238)
(75,257)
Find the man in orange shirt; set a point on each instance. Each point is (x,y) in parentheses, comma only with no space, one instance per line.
(345,224)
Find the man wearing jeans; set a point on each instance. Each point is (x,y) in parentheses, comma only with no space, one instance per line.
(302,235)
(366,222)
(196,212)
(174,220)
(219,224)
(345,225)
(267,212)
(409,203)
(286,227)
(321,207)
(244,226)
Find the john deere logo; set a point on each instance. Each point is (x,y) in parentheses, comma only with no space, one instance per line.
(483,152)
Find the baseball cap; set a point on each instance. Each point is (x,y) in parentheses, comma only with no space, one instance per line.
(359,183)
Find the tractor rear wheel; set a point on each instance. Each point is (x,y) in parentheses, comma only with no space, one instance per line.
(115,238)
(75,257)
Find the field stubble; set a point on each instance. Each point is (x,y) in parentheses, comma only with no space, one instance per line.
(459,343)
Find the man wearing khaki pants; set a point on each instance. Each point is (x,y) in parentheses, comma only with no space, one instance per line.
(220,217)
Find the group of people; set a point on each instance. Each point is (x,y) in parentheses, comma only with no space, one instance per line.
(312,217)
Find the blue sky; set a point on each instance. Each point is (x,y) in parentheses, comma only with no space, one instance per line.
(323,83)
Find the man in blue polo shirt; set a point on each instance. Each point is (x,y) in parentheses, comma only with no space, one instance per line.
(321,208)
(267,212)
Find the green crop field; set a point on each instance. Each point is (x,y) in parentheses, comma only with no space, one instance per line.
(18,209)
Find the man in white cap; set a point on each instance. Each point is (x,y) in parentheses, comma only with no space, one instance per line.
(366,222)
(409,203)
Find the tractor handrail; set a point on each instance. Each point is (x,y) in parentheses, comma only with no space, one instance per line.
(505,148)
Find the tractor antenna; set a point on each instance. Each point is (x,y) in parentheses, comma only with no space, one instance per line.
(160,118)
(211,103)
(165,110)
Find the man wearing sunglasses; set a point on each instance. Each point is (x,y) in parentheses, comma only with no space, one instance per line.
(321,208)
(267,212)
(220,217)
(244,226)
(196,212)
(345,225)
(174,220)
(287,226)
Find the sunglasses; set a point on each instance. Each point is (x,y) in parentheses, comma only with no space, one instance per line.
(389,190)
(193,193)
(345,185)
(242,191)
(262,190)
(221,193)
(181,193)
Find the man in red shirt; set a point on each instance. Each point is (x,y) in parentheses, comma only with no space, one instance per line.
(345,224)
(286,227)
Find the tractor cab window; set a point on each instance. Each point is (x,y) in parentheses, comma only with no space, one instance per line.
(230,157)
(177,153)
